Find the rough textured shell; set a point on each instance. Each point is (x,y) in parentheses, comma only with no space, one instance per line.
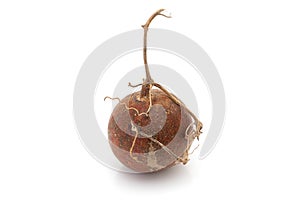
(161,135)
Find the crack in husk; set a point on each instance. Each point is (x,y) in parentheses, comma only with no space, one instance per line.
(135,129)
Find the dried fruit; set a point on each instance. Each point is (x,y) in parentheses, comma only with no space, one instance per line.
(152,129)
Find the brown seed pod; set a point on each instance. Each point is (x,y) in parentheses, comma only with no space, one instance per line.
(152,129)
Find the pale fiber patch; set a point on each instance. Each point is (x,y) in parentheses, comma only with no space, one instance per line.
(152,160)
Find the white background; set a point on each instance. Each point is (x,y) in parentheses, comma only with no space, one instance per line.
(255,46)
